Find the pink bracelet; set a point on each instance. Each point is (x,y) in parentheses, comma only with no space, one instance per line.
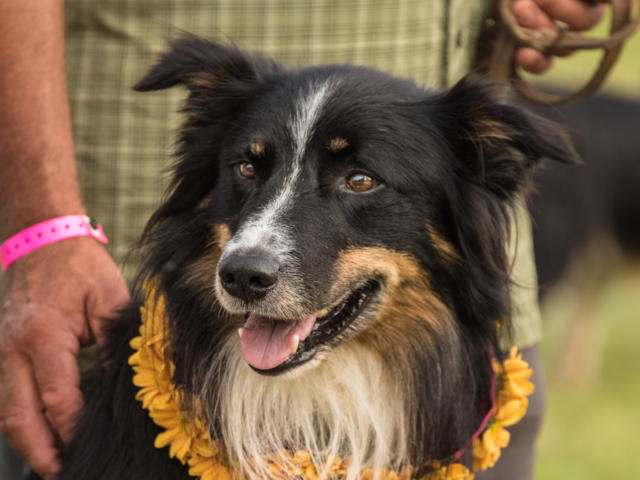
(49,231)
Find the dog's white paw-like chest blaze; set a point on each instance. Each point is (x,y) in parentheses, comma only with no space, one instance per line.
(331,259)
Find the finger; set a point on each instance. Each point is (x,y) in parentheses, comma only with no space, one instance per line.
(577,14)
(58,380)
(528,14)
(22,420)
(532,61)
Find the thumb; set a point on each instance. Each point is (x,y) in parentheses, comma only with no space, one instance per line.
(108,295)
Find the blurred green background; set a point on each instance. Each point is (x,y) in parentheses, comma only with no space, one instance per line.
(593,417)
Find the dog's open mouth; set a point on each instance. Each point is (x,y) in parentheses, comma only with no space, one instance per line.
(271,346)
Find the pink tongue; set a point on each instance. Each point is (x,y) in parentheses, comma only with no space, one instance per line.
(266,343)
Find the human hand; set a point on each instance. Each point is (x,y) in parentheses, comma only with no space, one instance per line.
(577,14)
(55,300)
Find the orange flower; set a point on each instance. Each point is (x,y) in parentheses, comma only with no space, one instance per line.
(510,412)
(454,471)
(204,461)
(515,375)
(486,449)
(512,401)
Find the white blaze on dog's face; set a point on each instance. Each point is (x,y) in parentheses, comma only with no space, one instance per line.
(267,231)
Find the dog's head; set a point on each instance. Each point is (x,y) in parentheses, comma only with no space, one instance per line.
(336,208)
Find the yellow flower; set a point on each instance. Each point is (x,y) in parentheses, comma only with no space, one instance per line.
(515,375)
(512,401)
(457,471)
(486,449)
(204,461)
(510,412)
(454,471)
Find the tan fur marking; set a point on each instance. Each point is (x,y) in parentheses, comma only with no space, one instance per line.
(407,287)
(485,128)
(357,264)
(337,144)
(402,319)
(202,272)
(222,235)
(202,79)
(444,247)
(408,300)
(256,149)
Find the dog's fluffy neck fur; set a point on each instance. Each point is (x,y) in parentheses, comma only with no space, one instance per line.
(378,410)
(338,406)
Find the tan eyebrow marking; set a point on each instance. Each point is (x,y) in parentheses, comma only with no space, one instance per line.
(256,149)
(337,144)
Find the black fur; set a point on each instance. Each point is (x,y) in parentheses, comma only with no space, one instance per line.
(454,160)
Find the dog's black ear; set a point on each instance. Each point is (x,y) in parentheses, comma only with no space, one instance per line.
(198,63)
(493,148)
(497,144)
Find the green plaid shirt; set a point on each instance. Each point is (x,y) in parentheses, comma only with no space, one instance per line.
(124,139)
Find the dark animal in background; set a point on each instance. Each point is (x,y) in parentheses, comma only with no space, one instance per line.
(354,226)
(589,213)
(586,221)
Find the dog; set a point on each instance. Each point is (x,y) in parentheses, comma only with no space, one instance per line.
(331,258)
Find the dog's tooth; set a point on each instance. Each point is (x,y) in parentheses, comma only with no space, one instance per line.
(296,342)
(240,332)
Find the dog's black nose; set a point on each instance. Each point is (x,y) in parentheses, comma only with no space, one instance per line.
(248,277)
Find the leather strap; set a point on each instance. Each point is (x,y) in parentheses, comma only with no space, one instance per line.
(509,36)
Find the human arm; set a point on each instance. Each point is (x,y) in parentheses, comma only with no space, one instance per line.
(54,298)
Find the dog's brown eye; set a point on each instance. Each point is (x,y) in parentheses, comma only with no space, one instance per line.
(360,182)
(247,170)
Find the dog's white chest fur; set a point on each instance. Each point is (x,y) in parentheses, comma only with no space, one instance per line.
(347,405)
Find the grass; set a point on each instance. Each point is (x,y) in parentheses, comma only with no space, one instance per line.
(591,429)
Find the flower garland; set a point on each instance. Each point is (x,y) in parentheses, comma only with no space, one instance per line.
(189,441)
